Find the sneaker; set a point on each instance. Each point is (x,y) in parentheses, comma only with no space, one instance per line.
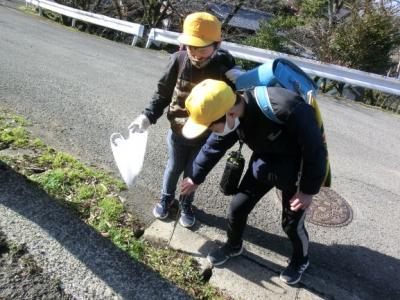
(292,274)
(160,210)
(187,218)
(222,254)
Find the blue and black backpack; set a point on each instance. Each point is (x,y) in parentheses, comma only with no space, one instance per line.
(282,72)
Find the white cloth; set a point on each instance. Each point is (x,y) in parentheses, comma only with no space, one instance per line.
(129,154)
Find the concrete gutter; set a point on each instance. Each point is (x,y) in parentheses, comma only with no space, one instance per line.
(89,266)
(244,277)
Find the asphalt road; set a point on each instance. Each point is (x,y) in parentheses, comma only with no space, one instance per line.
(77,89)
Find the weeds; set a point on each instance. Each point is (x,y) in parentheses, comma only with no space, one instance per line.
(93,195)
(16,136)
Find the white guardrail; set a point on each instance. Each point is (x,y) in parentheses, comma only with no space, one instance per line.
(132,28)
(311,67)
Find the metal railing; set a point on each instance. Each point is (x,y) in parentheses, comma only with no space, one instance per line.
(311,67)
(136,30)
(316,68)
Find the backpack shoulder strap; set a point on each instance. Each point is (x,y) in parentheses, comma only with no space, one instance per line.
(182,56)
(263,102)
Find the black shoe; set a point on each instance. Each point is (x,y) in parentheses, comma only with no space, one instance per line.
(222,254)
(292,274)
(187,218)
(161,209)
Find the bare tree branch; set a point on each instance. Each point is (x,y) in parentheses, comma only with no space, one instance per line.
(118,7)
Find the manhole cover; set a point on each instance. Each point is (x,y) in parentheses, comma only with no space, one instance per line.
(328,208)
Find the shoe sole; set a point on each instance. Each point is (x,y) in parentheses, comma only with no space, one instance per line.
(294,282)
(224,261)
(187,225)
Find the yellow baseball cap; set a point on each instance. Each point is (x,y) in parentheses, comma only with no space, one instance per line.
(207,102)
(200,29)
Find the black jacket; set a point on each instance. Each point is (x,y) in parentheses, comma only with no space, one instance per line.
(280,146)
(221,62)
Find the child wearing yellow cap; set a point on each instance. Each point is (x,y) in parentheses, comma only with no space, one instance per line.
(202,59)
(289,155)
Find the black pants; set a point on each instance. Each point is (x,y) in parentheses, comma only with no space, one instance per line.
(251,190)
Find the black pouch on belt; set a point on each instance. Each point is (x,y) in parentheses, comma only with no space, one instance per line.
(232,172)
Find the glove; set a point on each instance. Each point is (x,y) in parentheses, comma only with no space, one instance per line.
(140,124)
(233,74)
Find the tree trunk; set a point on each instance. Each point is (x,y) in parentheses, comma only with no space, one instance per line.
(338,5)
(330,13)
(118,7)
(340,88)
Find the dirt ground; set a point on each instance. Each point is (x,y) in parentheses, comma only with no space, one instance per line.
(22,278)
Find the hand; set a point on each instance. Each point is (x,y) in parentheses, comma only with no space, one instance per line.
(300,201)
(233,74)
(140,124)
(188,186)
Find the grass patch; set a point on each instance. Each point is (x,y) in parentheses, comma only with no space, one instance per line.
(13,132)
(94,196)
(29,9)
(16,136)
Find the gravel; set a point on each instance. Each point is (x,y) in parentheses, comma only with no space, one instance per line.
(22,278)
(88,265)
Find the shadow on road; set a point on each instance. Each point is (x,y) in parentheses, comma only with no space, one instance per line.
(130,279)
(360,271)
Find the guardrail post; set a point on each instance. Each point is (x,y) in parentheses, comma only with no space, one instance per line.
(148,43)
(134,40)
(138,35)
(40,9)
(150,39)
(73,22)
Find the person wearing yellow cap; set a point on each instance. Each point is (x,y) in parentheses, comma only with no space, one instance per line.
(202,59)
(278,149)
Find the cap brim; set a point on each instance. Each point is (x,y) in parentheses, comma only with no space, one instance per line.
(193,41)
(192,130)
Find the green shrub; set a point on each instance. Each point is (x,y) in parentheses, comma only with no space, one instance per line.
(365,42)
(314,8)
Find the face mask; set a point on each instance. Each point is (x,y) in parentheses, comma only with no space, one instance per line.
(228,130)
(203,63)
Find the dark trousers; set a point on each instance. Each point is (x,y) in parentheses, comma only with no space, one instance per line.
(251,190)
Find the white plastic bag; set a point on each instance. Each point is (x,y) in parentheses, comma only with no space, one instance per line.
(129,154)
